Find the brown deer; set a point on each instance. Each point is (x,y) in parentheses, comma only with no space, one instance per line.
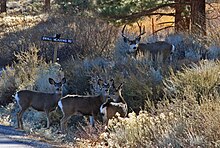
(82,105)
(116,104)
(40,101)
(157,52)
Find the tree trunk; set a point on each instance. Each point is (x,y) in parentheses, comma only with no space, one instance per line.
(3,6)
(182,18)
(47,5)
(198,17)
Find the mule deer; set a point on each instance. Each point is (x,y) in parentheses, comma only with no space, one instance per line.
(114,105)
(82,105)
(40,101)
(157,52)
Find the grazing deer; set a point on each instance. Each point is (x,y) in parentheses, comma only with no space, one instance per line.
(157,52)
(111,107)
(40,101)
(82,105)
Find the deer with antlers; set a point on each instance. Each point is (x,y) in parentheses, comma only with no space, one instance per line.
(157,52)
(40,101)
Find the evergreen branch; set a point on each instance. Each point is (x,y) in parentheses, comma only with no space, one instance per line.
(148,12)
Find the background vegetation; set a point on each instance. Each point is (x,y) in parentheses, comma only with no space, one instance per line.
(173,106)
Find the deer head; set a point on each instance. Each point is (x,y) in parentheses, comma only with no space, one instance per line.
(133,44)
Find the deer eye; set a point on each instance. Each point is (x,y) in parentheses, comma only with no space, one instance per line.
(130,42)
(138,39)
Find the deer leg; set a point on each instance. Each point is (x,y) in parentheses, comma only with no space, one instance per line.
(63,123)
(19,118)
(91,120)
(48,119)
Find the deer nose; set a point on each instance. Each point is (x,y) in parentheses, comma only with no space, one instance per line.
(135,47)
(58,89)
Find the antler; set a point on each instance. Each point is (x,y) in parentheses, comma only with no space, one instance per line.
(122,32)
(141,33)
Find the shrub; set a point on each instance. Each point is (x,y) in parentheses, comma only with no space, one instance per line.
(7,85)
(27,68)
(199,82)
(182,124)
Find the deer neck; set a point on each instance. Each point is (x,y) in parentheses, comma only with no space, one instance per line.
(103,97)
(57,95)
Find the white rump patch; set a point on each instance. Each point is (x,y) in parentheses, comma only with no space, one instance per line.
(173,48)
(17,99)
(61,106)
(172,51)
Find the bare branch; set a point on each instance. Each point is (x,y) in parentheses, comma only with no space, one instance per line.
(164,14)
(162,23)
(163,28)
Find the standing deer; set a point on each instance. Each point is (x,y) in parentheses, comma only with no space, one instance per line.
(114,105)
(82,105)
(40,101)
(157,52)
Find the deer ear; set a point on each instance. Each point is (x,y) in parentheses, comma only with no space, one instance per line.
(100,82)
(63,80)
(51,81)
(138,39)
(112,83)
(125,39)
(120,86)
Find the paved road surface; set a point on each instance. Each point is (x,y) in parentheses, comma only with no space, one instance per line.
(9,143)
(11,138)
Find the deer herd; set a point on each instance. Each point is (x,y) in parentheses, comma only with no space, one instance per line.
(108,99)
(107,103)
